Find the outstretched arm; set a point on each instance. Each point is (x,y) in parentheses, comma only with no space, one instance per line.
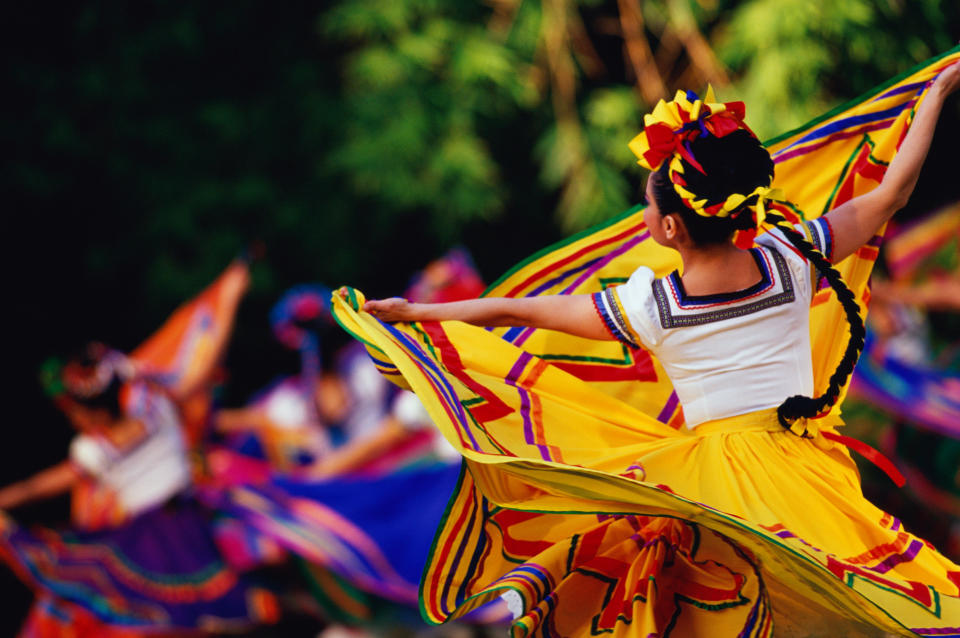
(573,314)
(856,221)
(44,484)
(229,420)
(936,294)
(359,453)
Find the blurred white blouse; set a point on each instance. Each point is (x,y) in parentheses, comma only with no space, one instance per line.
(150,471)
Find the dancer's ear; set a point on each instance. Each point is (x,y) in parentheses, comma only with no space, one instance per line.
(674,229)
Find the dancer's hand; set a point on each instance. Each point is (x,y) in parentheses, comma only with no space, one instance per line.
(948,80)
(857,220)
(392,310)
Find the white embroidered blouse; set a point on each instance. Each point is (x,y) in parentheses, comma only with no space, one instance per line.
(730,353)
(150,471)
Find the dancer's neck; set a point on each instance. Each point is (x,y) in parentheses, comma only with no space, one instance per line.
(717,269)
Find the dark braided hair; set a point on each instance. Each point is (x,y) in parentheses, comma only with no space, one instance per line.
(799,406)
(738,163)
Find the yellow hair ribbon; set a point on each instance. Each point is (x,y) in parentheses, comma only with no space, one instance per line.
(733,202)
(686,117)
(764,194)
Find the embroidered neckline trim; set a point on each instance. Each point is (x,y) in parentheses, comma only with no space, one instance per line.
(691,318)
(766,283)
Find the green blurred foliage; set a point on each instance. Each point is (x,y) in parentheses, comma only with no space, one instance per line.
(418,82)
(792,59)
(148,144)
(600,188)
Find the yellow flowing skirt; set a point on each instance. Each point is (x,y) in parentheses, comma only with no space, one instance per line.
(604,521)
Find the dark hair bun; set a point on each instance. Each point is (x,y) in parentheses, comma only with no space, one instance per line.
(736,163)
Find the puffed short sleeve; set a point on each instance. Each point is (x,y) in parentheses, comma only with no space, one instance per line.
(816,231)
(409,411)
(629,310)
(88,454)
(287,409)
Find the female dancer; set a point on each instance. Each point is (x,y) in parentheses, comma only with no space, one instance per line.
(345,515)
(762,521)
(160,571)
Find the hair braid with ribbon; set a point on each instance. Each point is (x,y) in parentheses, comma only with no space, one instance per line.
(798,406)
(713,171)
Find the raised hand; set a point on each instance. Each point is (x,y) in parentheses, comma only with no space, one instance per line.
(857,220)
(947,80)
(392,309)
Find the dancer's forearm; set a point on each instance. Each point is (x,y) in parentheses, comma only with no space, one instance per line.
(573,314)
(491,311)
(239,420)
(857,221)
(357,454)
(45,484)
(901,176)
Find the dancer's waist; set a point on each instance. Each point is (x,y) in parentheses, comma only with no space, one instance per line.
(759,421)
(820,432)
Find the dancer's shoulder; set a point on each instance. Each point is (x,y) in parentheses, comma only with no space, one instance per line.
(629,309)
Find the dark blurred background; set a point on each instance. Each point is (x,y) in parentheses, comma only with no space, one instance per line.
(147,144)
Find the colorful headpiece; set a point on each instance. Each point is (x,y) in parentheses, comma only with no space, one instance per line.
(85,379)
(671,126)
(299,306)
(452,277)
(666,136)
(296,320)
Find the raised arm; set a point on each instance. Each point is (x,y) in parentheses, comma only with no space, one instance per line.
(573,314)
(47,483)
(856,221)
